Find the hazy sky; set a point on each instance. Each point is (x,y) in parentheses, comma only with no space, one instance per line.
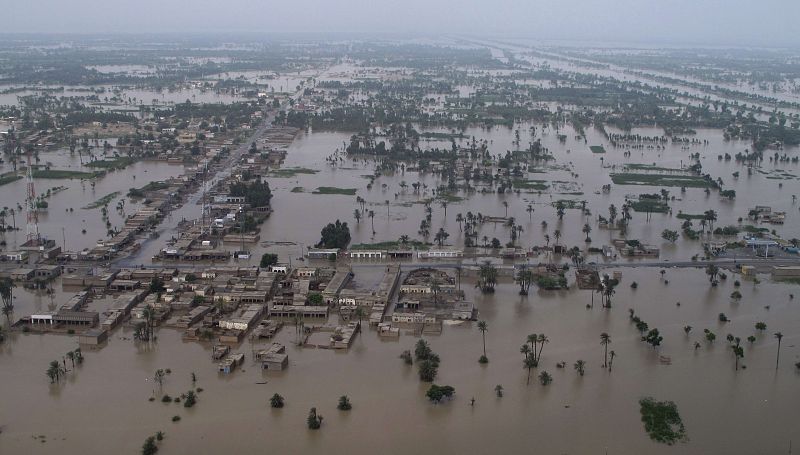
(738,22)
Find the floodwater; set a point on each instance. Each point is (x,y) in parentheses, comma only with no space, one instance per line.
(750,411)
(103,406)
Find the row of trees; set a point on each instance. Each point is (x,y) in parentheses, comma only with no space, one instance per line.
(56,370)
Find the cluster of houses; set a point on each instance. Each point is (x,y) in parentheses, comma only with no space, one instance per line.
(429,296)
(765,214)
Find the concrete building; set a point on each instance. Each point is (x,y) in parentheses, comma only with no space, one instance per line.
(93,337)
(273,358)
(367,254)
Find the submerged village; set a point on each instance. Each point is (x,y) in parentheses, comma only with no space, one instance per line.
(291,232)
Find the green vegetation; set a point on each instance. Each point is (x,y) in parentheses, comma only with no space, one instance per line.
(650,167)
(597,149)
(437,393)
(256,193)
(662,421)
(335,235)
(9,178)
(427,361)
(276,401)
(298,189)
(649,205)
(120,162)
(152,186)
(334,190)
(690,181)
(538,185)
(64,174)
(102,201)
(314,421)
(291,172)
(268,259)
(690,216)
(344,403)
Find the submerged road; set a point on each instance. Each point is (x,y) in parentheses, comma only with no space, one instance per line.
(171,221)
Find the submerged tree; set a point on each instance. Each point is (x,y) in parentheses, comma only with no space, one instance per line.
(487,277)
(524,278)
(483,327)
(276,401)
(7,295)
(314,421)
(344,403)
(580,366)
(605,339)
(779,337)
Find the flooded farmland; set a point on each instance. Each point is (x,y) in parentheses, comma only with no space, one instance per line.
(189,248)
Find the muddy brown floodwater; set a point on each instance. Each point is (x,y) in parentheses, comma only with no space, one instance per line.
(103,406)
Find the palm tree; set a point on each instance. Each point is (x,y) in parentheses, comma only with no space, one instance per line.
(371,215)
(530,364)
(605,339)
(444,206)
(276,401)
(357,215)
(712,270)
(359,313)
(529,209)
(586,230)
(779,336)
(441,236)
(459,220)
(533,340)
(483,327)
(404,239)
(542,339)
(525,350)
(612,354)
(505,206)
(580,367)
(7,294)
(557,235)
(71,357)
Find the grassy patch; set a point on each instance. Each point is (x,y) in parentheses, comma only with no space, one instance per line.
(690,216)
(568,203)
(651,167)
(298,189)
(662,421)
(334,190)
(291,172)
(538,185)
(152,186)
(650,205)
(690,181)
(449,197)
(597,149)
(62,174)
(754,229)
(120,162)
(102,201)
(9,178)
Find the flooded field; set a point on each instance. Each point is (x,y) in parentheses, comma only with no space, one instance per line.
(405,152)
(723,410)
